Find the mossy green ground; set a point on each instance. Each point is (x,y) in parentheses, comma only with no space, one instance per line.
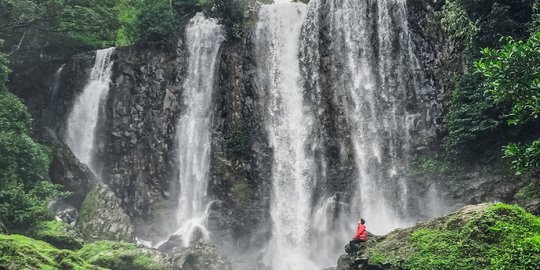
(21,252)
(497,236)
(119,256)
(56,233)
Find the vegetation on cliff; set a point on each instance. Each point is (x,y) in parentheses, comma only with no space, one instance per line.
(497,236)
(494,102)
(23,164)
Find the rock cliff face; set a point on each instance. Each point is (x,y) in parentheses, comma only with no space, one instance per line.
(135,134)
(136,130)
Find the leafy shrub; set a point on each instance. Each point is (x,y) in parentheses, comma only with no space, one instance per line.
(23,164)
(473,118)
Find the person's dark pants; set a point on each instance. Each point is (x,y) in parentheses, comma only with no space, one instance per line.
(354,245)
(356,242)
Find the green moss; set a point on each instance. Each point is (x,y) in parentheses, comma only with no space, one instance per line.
(88,206)
(242,193)
(238,141)
(56,233)
(120,256)
(498,236)
(527,192)
(21,252)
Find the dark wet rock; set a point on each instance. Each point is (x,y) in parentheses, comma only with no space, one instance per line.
(202,256)
(67,171)
(102,218)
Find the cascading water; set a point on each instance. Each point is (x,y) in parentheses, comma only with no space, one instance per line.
(373,73)
(56,83)
(288,123)
(83,119)
(373,89)
(193,131)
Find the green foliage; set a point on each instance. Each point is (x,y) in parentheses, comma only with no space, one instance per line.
(474,24)
(4,69)
(472,118)
(512,75)
(534,25)
(523,157)
(429,165)
(92,22)
(230,13)
(527,192)
(21,252)
(56,233)
(242,193)
(238,142)
(496,237)
(128,15)
(23,168)
(157,24)
(503,237)
(459,27)
(119,256)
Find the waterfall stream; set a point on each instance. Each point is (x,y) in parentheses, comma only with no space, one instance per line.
(373,73)
(193,132)
(83,119)
(288,124)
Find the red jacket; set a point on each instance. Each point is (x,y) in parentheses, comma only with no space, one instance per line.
(361,233)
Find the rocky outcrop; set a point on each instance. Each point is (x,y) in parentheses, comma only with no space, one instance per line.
(136,136)
(201,256)
(102,218)
(475,237)
(67,171)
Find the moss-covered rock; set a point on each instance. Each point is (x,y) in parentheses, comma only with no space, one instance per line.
(102,218)
(123,256)
(485,236)
(21,252)
(56,233)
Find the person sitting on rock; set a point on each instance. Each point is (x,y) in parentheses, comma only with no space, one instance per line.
(358,238)
(361,233)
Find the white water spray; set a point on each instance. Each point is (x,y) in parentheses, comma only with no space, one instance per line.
(82,121)
(288,124)
(193,132)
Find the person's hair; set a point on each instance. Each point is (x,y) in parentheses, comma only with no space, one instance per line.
(362,221)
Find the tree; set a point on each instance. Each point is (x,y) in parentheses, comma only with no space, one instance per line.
(512,75)
(24,192)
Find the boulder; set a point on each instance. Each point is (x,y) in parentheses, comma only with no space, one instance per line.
(102,218)
(475,237)
(67,170)
(202,256)
(56,233)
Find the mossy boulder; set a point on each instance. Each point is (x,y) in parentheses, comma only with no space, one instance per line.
(56,233)
(123,256)
(485,236)
(102,218)
(21,252)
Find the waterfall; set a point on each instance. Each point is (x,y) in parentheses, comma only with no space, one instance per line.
(83,119)
(359,57)
(55,83)
(288,124)
(193,132)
